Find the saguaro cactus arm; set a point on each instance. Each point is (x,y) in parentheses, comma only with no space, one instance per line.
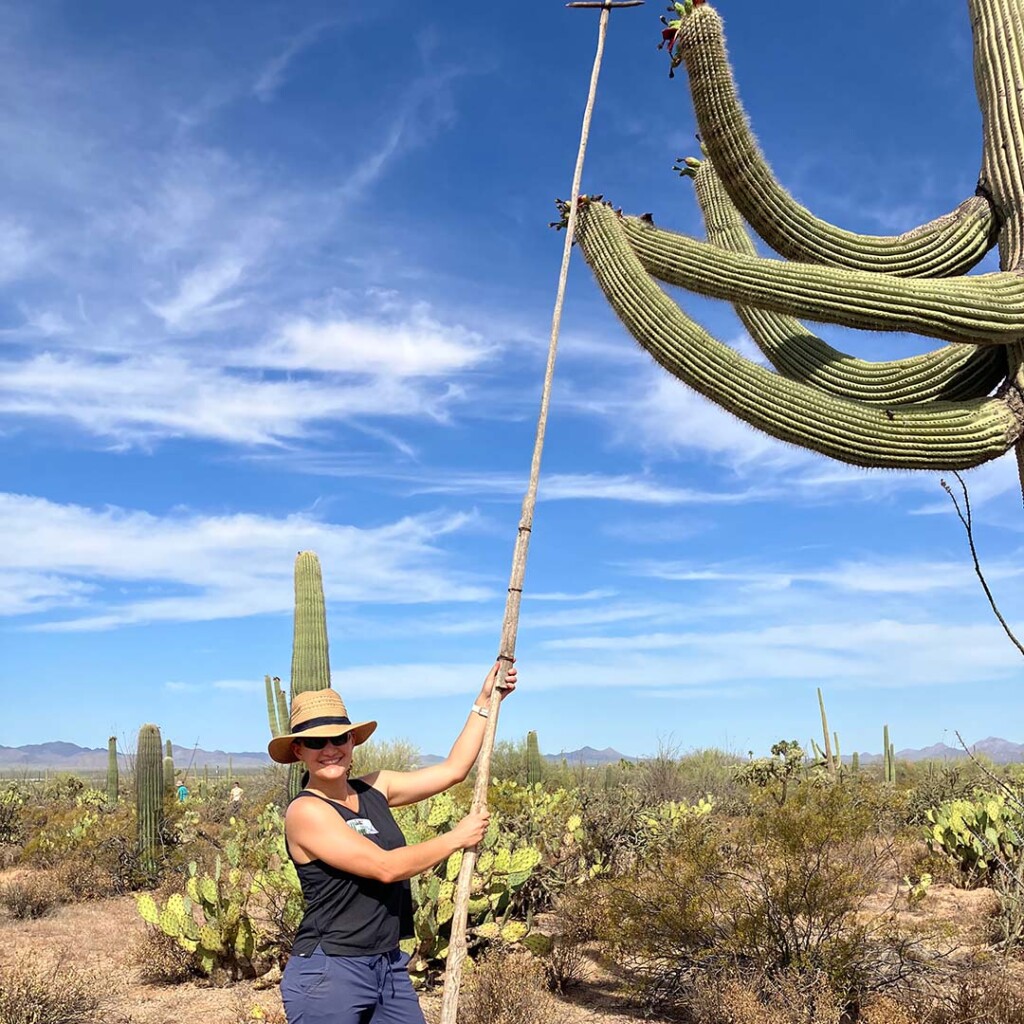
(950,373)
(947,246)
(932,436)
(985,309)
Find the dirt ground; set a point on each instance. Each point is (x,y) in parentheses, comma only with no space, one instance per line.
(93,937)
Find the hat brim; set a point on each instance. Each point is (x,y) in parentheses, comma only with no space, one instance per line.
(280,747)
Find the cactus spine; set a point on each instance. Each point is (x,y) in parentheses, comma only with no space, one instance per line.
(934,411)
(534,762)
(112,779)
(149,795)
(311,664)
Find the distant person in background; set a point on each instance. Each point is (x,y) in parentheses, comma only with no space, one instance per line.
(354,865)
(182,792)
(236,794)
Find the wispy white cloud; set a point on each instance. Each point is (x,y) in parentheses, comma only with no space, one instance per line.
(272,75)
(601,594)
(889,576)
(583,487)
(417,345)
(201,292)
(192,567)
(145,399)
(731,664)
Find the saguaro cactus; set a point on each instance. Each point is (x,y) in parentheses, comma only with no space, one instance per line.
(934,411)
(311,663)
(534,763)
(149,794)
(112,779)
(277,706)
(168,767)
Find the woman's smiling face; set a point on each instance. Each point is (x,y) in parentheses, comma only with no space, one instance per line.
(331,762)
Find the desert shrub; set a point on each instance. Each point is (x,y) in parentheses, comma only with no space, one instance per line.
(788,998)
(94,841)
(64,787)
(12,822)
(10,854)
(160,960)
(934,784)
(384,755)
(80,879)
(785,895)
(988,993)
(30,994)
(508,761)
(31,896)
(577,914)
(508,988)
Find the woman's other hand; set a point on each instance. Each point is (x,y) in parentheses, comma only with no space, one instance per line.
(505,689)
(472,828)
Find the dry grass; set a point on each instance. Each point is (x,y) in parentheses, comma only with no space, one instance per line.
(508,988)
(54,994)
(31,895)
(159,959)
(785,999)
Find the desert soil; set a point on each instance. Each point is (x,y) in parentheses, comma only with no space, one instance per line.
(94,938)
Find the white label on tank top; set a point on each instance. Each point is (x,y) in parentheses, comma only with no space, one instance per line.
(363,826)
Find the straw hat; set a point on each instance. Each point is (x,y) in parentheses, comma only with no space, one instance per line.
(317,713)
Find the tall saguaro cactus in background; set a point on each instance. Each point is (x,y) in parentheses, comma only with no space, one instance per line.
(149,794)
(112,779)
(534,762)
(311,663)
(935,411)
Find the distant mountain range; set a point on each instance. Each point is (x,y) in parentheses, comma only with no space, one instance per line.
(60,756)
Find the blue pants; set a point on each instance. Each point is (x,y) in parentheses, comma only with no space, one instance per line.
(322,989)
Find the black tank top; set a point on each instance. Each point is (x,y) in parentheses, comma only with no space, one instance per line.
(349,915)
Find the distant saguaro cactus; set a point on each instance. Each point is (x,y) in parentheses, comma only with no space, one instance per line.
(149,794)
(112,779)
(534,762)
(168,767)
(935,411)
(311,663)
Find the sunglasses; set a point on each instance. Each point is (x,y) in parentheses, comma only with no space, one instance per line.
(319,742)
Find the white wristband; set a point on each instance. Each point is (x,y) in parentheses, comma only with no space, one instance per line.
(482,712)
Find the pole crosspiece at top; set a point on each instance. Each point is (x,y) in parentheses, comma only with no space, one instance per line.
(457,943)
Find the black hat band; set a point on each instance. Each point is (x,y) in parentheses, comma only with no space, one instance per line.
(314,723)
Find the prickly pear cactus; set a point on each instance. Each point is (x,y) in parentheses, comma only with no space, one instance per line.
(977,835)
(239,919)
(503,867)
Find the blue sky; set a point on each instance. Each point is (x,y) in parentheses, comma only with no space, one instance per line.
(278,277)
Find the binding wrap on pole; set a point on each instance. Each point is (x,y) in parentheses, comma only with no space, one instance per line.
(457,948)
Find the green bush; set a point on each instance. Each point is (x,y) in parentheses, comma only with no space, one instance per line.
(785,891)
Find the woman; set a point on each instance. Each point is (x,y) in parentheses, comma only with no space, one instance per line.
(354,865)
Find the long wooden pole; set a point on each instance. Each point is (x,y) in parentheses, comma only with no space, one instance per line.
(510,626)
